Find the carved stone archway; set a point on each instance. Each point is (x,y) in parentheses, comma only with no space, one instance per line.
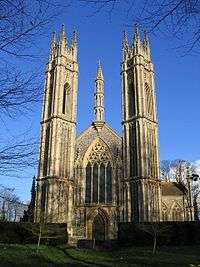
(97,218)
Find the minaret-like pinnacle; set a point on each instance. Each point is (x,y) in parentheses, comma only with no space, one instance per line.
(136,39)
(146,44)
(125,45)
(99,95)
(53,42)
(63,39)
(99,75)
(74,39)
(53,46)
(125,40)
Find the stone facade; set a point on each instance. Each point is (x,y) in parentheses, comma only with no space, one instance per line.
(97,179)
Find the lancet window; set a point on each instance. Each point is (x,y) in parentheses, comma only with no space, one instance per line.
(65,100)
(99,176)
(131,100)
(149,100)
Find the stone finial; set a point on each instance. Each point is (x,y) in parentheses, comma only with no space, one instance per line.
(146,44)
(53,46)
(136,39)
(63,39)
(99,75)
(74,38)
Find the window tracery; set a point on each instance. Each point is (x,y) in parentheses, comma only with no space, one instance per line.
(164,212)
(99,175)
(176,213)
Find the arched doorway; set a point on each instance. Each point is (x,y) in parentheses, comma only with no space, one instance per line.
(98,228)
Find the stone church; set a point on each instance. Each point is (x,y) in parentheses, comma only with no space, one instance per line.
(99,178)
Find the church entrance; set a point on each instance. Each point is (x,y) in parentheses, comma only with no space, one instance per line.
(98,228)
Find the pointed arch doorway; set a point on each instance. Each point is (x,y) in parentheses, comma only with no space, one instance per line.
(98,228)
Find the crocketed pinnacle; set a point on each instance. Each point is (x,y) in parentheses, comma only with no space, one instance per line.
(99,75)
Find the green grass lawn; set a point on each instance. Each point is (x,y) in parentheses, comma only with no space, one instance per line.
(24,256)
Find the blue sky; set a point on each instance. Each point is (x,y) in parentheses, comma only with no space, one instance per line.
(100,37)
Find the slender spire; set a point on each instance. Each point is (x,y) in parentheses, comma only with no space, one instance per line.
(53,46)
(99,95)
(136,39)
(146,44)
(63,39)
(62,33)
(125,40)
(99,75)
(125,45)
(53,42)
(74,39)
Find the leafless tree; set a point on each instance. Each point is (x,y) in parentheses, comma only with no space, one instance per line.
(17,155)
(154,230)
(184,172)
(11,208)
(177,18)
(22,23)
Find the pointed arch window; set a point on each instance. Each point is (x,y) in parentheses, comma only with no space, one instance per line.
(50,93)
(149,100)
(98,183)
(99,175)
(131,100)
(65,101)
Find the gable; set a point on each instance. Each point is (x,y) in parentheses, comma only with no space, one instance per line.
(106,134)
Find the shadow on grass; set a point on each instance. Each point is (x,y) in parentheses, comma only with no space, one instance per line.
(81,262)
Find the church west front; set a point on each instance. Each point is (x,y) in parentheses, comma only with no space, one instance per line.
(99,178)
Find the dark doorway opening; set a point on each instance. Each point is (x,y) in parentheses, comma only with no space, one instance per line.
(98,229)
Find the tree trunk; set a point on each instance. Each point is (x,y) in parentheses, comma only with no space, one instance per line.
(154,244)
(39,238)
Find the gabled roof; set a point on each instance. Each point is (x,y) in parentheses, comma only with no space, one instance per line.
(102,131)
(173,189)
(91,127)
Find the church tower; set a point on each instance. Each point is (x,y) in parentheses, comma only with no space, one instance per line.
(58,131)
(141,184)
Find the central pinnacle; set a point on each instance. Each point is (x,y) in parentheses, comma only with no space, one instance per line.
(99,75)
(99,95)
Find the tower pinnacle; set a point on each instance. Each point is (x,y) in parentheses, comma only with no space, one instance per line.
(125,45)
(53,46)
(146,44)
(99,95)
(99,75)
(63,39)
(136,39)
(74,38)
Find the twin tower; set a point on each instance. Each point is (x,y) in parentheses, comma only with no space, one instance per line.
(141,201)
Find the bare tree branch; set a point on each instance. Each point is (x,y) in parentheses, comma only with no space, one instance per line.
(178,18)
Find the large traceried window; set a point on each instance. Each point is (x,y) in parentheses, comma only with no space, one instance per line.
(99,177)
